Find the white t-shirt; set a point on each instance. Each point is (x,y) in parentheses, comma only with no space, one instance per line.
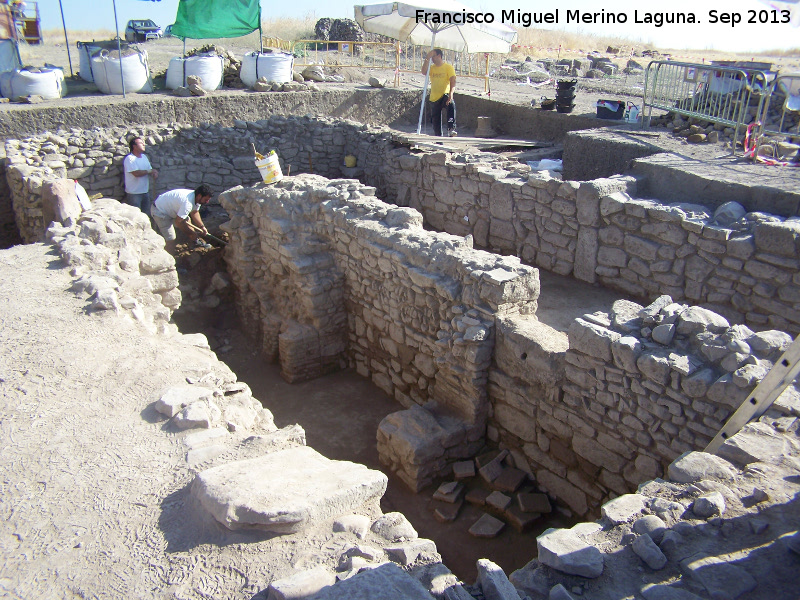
(136,185)
(174,204)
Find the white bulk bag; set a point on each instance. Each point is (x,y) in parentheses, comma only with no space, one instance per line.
(46,82)
(209,67)
(275,66)
(87,52)
(106,73)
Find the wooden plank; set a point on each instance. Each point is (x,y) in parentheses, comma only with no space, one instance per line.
(463,142)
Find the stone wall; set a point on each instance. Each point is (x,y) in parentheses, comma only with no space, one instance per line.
(185,156)
(119,262)
(594,413)
(327,275)
(741,264)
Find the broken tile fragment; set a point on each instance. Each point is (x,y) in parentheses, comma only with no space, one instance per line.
(447,512)
(498,500)
(449,492)
(464,469)
(509,480)
(486,527)
(534,503)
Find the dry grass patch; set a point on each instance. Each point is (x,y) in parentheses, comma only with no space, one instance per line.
(546,39)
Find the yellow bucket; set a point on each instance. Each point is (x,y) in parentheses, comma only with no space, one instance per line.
(270,168)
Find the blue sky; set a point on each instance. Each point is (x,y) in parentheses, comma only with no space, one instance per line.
(99,14)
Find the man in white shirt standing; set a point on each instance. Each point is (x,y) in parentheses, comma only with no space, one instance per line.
(175,209)
(137,176)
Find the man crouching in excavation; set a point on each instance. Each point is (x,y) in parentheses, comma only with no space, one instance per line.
(178,208)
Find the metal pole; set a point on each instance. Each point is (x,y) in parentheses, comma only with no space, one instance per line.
(119,49)
(425,86)
(66,39)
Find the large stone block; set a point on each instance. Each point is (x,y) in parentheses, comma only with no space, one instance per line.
(586,255)
(59,201)
(777,238)
(501,204)
(286,491)
(640,247)
(530,350)
(591,339)
(385,582)
(564,551)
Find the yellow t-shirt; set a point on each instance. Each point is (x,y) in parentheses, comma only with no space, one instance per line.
(440,80)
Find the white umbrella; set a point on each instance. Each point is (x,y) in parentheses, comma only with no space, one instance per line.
(398,20)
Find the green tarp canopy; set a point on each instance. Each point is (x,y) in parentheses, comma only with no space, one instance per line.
(209,19)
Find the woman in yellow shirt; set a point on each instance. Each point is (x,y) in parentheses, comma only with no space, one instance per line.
(443,84)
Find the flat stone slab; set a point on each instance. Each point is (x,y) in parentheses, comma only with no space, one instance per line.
(447,512)
(176,398)
(449,492)
(486,527)
(498,500)
(623,509)
(695,466)
(509,480)
(534,503)
(723,581)
(386,582)
(564,551)
(464,469)
(286,491)
(520,520)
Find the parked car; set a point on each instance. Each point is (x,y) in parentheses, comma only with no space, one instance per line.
(168,30)
(141,30)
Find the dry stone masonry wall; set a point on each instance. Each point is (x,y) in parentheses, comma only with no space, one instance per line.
(743,265)
(119,262)
(626,393)
(328,275)
(185,156)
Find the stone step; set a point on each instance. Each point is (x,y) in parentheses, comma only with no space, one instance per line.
(287,491)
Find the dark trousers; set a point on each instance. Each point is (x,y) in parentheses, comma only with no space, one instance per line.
(436,115)
(140,201)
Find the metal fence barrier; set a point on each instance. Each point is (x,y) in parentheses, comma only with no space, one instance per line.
(474,65)
(710,93)
(780,113)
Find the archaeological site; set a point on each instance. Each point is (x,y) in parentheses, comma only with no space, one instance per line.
(540,367)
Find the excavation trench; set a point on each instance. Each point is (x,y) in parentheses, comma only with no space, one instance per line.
(591,416)
(340,412)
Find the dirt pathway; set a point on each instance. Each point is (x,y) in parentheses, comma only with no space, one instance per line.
(93,497)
